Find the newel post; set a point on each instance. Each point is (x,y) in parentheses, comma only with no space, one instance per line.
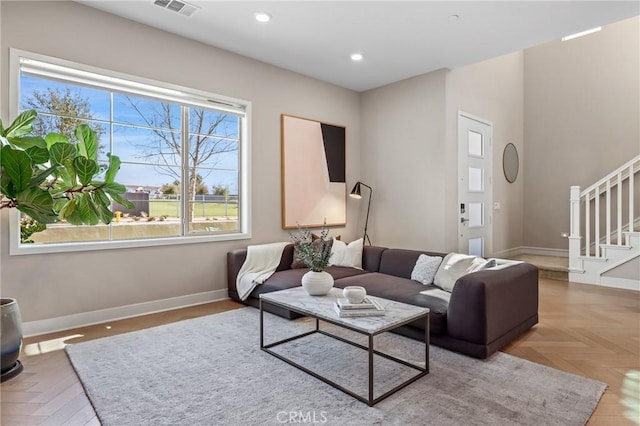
(574,235)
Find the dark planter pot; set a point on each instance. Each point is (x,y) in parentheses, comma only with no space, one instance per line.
(10,338)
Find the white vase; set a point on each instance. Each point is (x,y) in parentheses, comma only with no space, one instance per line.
(317,283)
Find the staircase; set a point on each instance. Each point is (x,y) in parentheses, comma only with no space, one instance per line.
(604,243)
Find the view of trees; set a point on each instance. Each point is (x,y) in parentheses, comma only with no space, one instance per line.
(174,188)
(67,105)
(220,190)
(171,188)
(209,136)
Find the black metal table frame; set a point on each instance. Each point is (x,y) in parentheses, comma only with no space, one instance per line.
(370,401)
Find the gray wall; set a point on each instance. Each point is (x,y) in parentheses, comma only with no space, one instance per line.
(409,152)
(53,285)
(582,109)
(403,130)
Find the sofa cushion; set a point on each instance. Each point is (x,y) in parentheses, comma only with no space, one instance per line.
(290,278)
(286,259)
(406,291)
(338,272)
(371,256)
(400,262)
(280,280)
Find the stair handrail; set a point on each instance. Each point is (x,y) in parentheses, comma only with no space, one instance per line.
(611,175)
(578,246)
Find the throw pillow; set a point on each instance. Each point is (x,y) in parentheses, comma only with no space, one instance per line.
(499,264)
(453,267)
(480,264)
(297,263)
(347,255)
(425,269)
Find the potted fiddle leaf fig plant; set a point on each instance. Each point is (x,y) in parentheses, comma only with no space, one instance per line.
(51,179)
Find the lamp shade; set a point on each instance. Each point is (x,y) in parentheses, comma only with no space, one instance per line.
(355,192)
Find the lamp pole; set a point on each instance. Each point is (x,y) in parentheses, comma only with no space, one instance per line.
(355,192)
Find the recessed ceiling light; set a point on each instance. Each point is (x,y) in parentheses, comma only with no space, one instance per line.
(583,33)
(356,57)
(262,17)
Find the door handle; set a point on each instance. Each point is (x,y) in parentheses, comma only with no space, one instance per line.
(463,220)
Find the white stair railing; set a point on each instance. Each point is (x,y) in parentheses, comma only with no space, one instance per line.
(587,235)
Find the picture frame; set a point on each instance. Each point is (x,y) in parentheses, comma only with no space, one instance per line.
(314,188)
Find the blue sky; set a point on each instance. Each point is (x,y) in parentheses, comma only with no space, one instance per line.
(137,144)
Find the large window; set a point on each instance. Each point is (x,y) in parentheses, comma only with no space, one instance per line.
(183,154)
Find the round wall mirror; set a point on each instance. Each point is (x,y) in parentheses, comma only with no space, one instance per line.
(510,162)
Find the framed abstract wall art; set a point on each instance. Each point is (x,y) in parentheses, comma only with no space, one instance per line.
(314,187)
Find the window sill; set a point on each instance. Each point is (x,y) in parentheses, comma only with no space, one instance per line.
(27,249)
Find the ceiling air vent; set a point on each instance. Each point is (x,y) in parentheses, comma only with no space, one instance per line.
(181,7)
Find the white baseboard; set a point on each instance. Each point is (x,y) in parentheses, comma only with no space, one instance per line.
(505,254)
(538,251)
(541,251)
(52,325)
(623,283)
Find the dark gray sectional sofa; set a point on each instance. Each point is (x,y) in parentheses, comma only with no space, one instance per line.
(485,311)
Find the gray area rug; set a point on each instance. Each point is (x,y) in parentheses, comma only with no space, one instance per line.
(211,371)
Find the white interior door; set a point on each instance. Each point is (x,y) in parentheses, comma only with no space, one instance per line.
(474,185)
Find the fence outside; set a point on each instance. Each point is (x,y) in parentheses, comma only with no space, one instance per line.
(204,205)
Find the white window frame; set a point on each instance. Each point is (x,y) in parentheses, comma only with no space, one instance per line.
(143,86)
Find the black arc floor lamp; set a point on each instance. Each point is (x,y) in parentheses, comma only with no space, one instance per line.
(355,193)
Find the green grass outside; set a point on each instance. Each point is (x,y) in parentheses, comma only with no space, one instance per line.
(172,208)
(127,231)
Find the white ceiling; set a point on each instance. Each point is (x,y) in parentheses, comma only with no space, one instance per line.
(399,39)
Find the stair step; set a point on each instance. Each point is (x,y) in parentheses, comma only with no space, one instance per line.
(550,267)
(553,275)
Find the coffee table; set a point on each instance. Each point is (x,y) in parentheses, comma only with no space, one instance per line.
(322,308)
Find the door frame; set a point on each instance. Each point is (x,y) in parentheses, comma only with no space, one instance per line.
(488,244)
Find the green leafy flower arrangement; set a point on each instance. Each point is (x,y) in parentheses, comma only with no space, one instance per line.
(313,251)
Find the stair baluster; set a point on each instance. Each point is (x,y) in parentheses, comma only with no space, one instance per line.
(585,222)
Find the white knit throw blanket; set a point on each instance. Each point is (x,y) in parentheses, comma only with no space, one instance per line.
(262,261)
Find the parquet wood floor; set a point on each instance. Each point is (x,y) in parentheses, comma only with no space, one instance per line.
(585,330)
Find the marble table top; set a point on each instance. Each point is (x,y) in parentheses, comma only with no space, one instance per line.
(322,307)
